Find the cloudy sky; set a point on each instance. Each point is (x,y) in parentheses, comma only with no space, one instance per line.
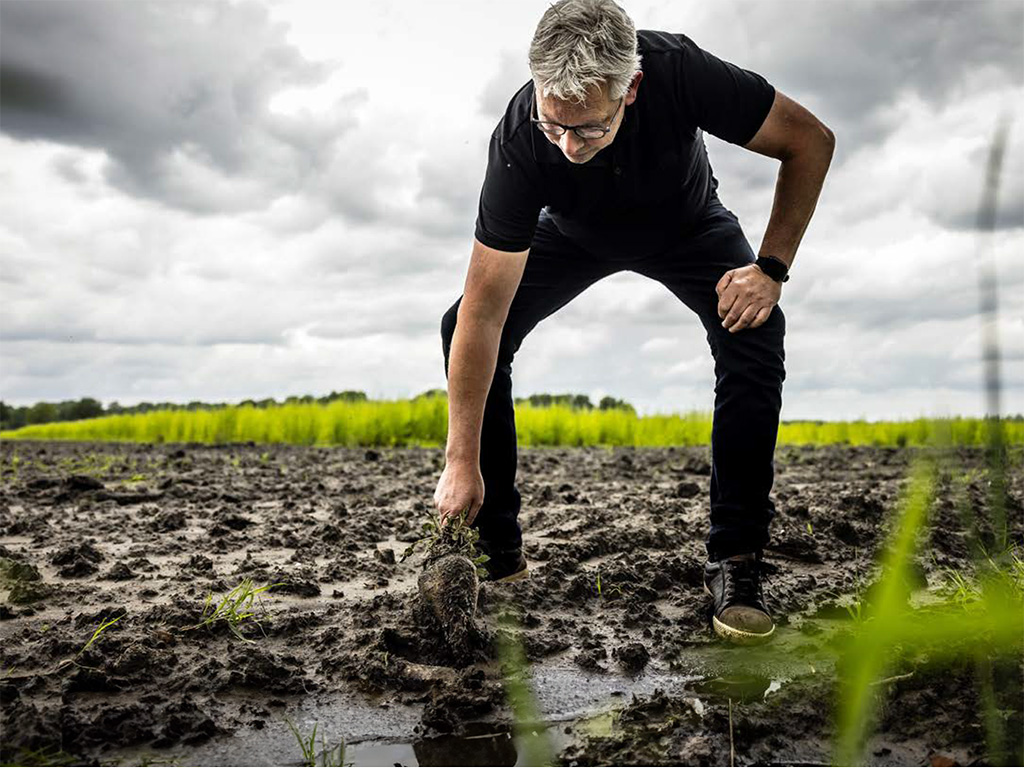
(219,201)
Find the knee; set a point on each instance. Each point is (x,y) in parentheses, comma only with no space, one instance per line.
(758,353)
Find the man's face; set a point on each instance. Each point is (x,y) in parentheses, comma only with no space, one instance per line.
(597,110)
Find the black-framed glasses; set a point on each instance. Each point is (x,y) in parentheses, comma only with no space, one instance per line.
(583,131)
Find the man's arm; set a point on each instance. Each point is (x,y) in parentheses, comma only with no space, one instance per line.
(491,283)
(805,145)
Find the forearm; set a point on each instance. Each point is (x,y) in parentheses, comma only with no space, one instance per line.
(797,188)
(471,365)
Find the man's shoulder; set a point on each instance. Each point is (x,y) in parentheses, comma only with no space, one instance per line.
(517,116)
(657,47)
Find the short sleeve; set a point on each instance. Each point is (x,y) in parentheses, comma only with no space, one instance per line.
(509,201)
(725,100)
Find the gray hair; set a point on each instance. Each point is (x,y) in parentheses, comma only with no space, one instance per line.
(582,43)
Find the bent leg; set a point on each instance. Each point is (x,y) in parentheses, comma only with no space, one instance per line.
(749,372)
(556,272)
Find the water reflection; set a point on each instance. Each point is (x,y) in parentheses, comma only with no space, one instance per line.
(738,687)
(481,745)
(487,748)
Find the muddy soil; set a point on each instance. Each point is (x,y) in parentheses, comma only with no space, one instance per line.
(612,620)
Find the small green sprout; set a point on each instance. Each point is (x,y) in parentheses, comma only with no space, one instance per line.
(615,589)
(334,756)
(73,661)
(99,631)
(233,608)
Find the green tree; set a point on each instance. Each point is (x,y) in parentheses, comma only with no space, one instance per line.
(42,413)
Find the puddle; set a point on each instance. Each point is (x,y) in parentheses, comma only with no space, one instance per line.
(739,687)
(568,699)
(483,745)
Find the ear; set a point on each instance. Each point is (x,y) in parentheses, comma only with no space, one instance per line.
(633,86)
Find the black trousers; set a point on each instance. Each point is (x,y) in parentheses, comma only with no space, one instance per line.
(749,371)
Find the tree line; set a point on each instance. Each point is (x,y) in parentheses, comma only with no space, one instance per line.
(576,402)
(15,417)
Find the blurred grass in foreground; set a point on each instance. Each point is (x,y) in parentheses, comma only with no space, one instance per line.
(424,422)
(983,619)
(983,622)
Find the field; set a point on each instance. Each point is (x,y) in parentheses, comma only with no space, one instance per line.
(138,626)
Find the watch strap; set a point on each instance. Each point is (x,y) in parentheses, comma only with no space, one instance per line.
(774,267)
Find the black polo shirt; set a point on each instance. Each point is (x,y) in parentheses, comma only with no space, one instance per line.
(648,187)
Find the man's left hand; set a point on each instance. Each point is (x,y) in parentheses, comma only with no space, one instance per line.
(745,297)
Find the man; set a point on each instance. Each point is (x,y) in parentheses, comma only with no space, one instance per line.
(598,166)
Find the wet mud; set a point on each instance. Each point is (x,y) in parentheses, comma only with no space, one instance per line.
(612,621)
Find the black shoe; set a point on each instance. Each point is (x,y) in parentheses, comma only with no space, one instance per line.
(740,614)
(505,564)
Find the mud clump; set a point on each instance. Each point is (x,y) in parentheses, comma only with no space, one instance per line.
(82,483)
(169,520)
(449,588)
(632,657)
(77,560)
(24,582)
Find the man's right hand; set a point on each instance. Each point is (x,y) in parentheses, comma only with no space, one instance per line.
(460,488)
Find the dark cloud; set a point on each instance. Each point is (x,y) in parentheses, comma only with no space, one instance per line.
(859,66)
(23,90)
(176,94)
(853,61)
(33,331)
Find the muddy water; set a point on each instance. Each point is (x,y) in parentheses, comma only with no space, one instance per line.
(628,673)
(573,704)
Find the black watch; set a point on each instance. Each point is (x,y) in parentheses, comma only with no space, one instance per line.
(774,267)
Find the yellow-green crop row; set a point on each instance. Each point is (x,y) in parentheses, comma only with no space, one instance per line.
(424,421)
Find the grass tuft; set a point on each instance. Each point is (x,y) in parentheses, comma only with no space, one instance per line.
(234,609)
(333,756)
(96,635)
(454,538)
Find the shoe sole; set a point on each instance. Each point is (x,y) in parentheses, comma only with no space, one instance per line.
(738,636)
(517,576)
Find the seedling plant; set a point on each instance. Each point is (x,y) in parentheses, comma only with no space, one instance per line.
(333,756)
(451,538)
(234,609)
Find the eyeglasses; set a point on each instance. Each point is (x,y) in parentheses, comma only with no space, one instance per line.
(583,131)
